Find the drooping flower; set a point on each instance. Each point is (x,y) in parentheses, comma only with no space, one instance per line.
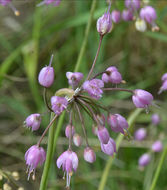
(74,78)
(155,118)
(68,160)
(89,155)
(109,148)
(141,25)
(144,160)
(142,98)
(58,104)
(133,5)
(68,131)
(112,75)
(117,123)
(103,135)
(157,146)
(104,24)
(116,16)
(35,155)
(140,134)
(127,15)
(46,76)
(93,87)
(33,121)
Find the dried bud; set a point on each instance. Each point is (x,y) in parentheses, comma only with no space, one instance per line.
(68,131)
(77,139)
(89,155)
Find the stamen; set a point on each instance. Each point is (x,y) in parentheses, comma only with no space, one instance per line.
(16,12)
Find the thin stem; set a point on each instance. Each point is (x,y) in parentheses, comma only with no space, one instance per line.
(45,99)
(90,109)
(98,74)
(84,43)
(70,137)
(157,172)
(118,89)
(51,60)
(44,133)
(97,54)
(82,123)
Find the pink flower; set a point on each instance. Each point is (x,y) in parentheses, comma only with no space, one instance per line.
(33,121)
(89,155)
(109,148)
(58,104)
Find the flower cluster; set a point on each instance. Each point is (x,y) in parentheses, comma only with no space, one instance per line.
(84,95)
(157,146)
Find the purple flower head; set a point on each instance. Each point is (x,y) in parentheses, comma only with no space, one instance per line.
(46,76)
(53,2)
(132,4)
(35,155)
(157,146)
(112,75)
(68,131)
(103,135)
(117,123)
(5,2)
(155,118)
(116,16)
(109,148)
(89,155)
(104,24)
(93,87)
(74,78)
(163,87)
(140,134)
(33,121)
(142,98)
(148,14)
(144,160)
(164,77)
(77,140)
(58,104)
(127,15)
(68,160)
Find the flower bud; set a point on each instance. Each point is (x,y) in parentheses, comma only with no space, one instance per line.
(148,14)
(157,146)
(33,121)
(116,16)
(163,87)
(68,131)
(89,155)
(155,118)
(77,139)
(164,77)
(58,104)
(46,75)
(140,134)
(144,160)
(74,78)
(127,15)
(117,123)
(132,4)
(35,155)
(109,148)
(140,25)
(104,24)
(103,135)
(142,98)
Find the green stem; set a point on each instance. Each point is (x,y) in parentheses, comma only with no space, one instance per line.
(49,156)
(54,134)
(119,139)
(157,172)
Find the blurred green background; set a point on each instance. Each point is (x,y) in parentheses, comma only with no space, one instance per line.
(26,44)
